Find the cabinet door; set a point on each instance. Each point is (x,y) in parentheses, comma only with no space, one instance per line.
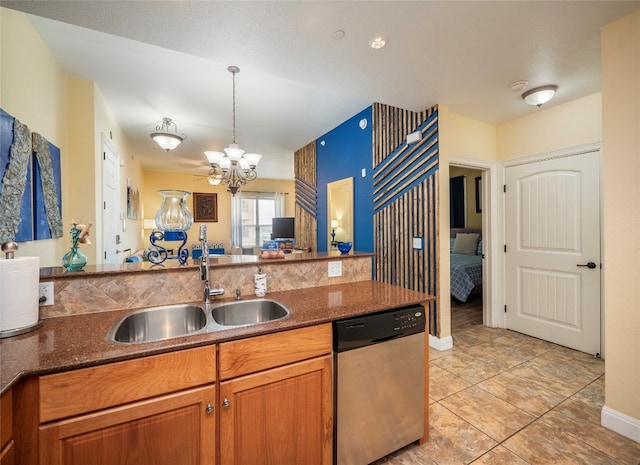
(8,455)
(282,416)
(176,429)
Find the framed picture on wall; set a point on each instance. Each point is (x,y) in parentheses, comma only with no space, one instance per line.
(478,194)
(205,207)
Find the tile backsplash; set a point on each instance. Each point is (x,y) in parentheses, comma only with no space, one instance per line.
(121,291)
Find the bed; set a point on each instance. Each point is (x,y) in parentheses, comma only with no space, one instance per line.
(466,267)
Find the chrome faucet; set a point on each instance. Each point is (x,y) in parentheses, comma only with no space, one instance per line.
(204,267)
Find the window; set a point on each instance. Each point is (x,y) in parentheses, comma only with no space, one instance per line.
(251,217)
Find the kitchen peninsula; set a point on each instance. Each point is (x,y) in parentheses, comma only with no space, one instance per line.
(72,341)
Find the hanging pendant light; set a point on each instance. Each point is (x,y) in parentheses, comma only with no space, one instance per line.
(165,138)
(234,167)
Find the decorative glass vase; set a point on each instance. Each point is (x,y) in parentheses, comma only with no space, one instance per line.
(74,259)
(174,215)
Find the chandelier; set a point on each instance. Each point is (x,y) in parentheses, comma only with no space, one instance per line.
(233,167)
(165,138)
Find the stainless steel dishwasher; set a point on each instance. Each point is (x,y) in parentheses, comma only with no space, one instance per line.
(379,384)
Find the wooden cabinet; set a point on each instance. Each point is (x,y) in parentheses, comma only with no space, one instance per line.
(273,395)
(281,415)
(176,429)
(7,446)
(154,410)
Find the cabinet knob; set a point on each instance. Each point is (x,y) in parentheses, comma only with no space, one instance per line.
(209,408)
(226,403)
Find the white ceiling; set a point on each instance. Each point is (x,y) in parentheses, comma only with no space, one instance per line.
(169,58)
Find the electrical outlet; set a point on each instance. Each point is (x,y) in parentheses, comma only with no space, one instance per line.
(335,269)
(46,294)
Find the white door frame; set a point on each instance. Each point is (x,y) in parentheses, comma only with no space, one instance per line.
(492,237)
(561,153)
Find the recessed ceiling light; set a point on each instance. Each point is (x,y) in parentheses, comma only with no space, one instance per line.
(377,43)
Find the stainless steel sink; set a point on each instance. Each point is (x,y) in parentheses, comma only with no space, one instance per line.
(159,323)
(249,312)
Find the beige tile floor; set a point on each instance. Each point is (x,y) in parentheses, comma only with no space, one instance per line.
(502,398)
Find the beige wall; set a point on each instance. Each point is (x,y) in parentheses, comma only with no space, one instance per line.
(547,129)
(72,114)
(79,205)
(621,180)
(33,89)
(219,231)
(106,126)
(458,137)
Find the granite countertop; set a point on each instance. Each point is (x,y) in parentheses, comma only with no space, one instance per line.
(77,341)
(215,261)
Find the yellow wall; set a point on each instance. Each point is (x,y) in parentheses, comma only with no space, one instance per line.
(72,114)
(33,89)
(106,126)
(621,178)
(458,137)
(547,129)
(219,231)
(79,204)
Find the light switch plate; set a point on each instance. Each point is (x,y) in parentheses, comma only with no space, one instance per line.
(334,269)
(417,243)
(46,292)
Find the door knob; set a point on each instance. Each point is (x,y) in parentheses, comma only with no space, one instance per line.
(209,408)
(226,403)
(589,265)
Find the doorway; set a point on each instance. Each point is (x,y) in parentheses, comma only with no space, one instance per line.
(488,188)
(465,245)
(110,203)
(340,213)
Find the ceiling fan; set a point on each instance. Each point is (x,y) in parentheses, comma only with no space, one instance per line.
(209,177)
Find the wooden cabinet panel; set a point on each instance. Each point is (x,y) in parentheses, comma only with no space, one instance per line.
(6,418)
(279,416)
(85,390)
(259,353)
(8,454)
(175,429)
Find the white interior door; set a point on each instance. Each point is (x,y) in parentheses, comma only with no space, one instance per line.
(552,213)
(110,203)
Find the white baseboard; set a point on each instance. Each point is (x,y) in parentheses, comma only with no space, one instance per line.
(445,343)
(622,424)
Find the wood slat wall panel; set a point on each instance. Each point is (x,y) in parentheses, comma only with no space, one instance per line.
(391,126)
(405,201)
(306,223)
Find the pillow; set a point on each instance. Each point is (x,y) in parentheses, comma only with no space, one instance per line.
(466,244)
(452,240)
(479,249)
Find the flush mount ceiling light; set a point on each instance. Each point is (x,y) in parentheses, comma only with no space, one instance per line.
(377,43)
(165,138)
(233,167)
(539,95)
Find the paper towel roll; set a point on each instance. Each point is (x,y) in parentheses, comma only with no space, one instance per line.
(260,284)
(19,292)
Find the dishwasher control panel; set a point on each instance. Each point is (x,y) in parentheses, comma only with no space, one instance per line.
(409,320)
(378,327)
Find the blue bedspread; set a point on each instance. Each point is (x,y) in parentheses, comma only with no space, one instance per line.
(466,273)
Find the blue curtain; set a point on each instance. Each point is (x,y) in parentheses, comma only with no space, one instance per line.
(457,202)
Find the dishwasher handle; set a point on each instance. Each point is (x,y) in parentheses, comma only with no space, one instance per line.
(388,338)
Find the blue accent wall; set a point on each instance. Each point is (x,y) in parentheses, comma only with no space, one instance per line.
(342,153)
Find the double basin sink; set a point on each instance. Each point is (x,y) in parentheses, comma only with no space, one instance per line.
(166,322)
